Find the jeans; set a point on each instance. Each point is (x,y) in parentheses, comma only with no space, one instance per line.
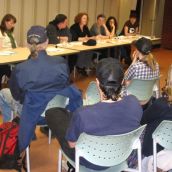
(8,105)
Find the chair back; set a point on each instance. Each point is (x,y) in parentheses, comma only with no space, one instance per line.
(57,101)
(108,150)
(142,89)
(92,94)
(163,134)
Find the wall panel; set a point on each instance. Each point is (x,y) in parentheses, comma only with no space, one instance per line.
(73,10)
(3,8)
(91,12)
(15,8)
(64,6)
(83,5)
(28,17)
(52,9)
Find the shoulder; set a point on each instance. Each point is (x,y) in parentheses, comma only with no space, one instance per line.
(50,26)
(127,23)
(74,26)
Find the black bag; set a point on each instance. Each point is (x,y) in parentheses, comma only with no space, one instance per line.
(10,157)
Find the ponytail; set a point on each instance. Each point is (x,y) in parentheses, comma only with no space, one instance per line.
(150,61)
(111,91)
(33,50)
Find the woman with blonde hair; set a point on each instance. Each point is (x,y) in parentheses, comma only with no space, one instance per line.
(144,66)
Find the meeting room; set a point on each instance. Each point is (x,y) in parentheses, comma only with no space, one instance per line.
(85,85)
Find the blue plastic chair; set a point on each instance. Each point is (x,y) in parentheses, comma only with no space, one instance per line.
(109,151)
(92,94)
(142,89)
(57,101)
(163,136)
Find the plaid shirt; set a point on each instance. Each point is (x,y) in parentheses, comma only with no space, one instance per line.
(140,70)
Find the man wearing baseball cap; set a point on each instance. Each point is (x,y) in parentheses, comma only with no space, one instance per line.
(36,81)
(58,31)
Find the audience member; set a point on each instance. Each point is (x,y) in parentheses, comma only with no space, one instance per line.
(143,66)
(104,118)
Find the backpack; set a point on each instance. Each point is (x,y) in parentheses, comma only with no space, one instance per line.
(10,157)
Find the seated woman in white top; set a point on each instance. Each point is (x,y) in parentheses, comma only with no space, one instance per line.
(6,31)
(6,41)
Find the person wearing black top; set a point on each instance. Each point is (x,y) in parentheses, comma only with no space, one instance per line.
(57,30)
(131,28)
(80,32)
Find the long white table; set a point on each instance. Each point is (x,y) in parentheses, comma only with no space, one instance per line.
(20,54)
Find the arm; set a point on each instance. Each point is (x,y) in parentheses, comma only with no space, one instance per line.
(52,34)
(74,130)
(16,91)
(106,30)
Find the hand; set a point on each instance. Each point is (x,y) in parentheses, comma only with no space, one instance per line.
(135,56)
(63,39)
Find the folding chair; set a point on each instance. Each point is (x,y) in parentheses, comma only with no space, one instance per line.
(163,136)
(109,151)
(142,89)
(57,101)
(92,94)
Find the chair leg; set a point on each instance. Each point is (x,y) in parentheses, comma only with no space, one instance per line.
(74,72)
(139,158)
(28,159)
(60,161)
(154,156)
(49,136)
(76,162)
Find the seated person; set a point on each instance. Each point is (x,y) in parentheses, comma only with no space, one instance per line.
(111,25)
(108,117)
(99,28)
(81,32)
(143,65)
(36,81)
(7,40)
(57,30)
(160,110)
(131,28)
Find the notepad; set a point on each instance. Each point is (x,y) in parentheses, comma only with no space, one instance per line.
(6,53)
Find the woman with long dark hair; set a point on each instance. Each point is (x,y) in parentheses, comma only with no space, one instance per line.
(7,41)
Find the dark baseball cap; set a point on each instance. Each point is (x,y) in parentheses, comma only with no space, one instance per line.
(37,34)
(144,45)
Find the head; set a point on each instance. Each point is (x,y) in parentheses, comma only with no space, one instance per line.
(101,19)
(109,75)
(8,23)
(143,48)
(110,22)
(133,17)
(82,19)
(37,40)
(61,21)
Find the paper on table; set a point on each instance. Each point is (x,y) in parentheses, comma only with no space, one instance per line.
(6,53)
(53,49)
